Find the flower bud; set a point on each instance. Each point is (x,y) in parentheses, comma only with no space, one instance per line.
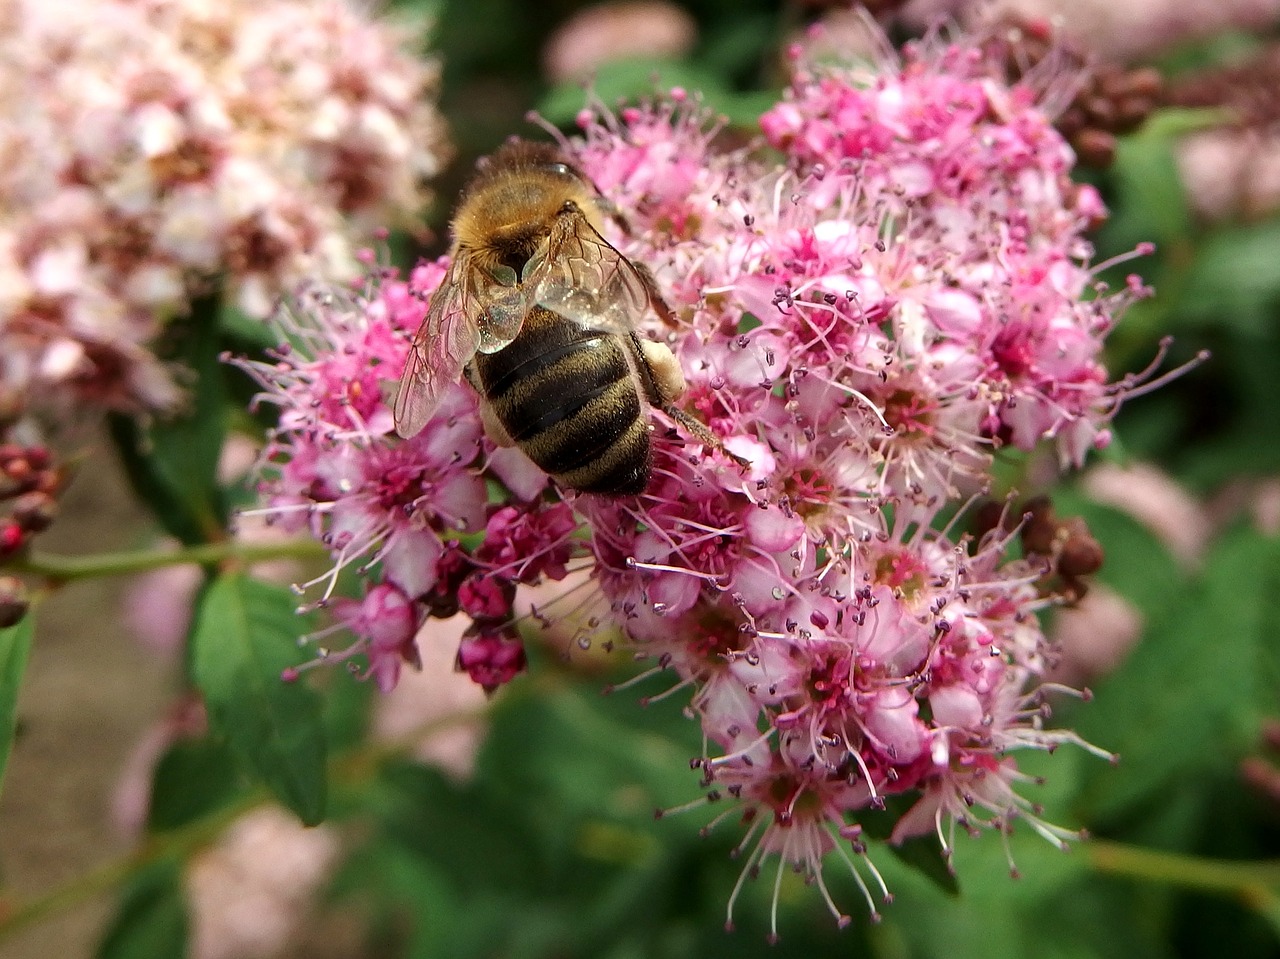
(14,601)
(12,538)
(491,658)
(35,511)
(1081,553)
(453,568)
(486,597)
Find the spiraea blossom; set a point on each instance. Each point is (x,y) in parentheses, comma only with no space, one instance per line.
(154,148)
(863,325)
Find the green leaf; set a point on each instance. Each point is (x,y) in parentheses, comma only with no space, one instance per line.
(924,855)
(1155,204)
(1169,123)
(743,110)
(192,779)
(740,45)
(244,331)
(415,894)
(347,711)
(1264,680)
(628,79)
(1233,281)
(426,10)
(1222,47)
(454,825)
(151,922)
(172,462)
(578,746)
(15,647)
(1269,909)
(245,637)
(1188,701)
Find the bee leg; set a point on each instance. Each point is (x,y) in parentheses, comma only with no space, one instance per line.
(696,428)
(666,372)
(669,380)
(656,299)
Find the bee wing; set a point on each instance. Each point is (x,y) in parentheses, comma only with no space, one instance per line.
(499,311)
(441,348)
(578,274)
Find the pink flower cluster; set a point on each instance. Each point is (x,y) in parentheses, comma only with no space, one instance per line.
(862,326)
(151,148)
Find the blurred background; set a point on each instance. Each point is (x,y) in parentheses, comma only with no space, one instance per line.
(529,832)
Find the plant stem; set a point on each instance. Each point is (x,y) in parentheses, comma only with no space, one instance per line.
(65,569)
(1256,884)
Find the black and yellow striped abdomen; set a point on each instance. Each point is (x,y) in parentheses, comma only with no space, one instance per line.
(568,396)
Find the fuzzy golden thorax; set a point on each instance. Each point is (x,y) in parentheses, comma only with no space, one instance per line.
(508,209)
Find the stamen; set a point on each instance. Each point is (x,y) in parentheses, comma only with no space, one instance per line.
(633,563)
(753,858)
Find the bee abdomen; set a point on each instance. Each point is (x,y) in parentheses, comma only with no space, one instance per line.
(604,448)
(573,407)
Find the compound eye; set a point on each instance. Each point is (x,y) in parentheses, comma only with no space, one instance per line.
(562,169)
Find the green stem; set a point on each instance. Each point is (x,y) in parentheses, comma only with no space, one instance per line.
(64,569)
(1256,884)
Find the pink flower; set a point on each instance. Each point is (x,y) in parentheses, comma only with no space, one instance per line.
(992,295)
(861,327)
(524,545)
(155,149)
(387,622)
(624,29)
(331,467)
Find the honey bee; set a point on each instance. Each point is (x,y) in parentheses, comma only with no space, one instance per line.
(537,310)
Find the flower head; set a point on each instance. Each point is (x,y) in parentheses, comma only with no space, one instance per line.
(861,327)
(153,148)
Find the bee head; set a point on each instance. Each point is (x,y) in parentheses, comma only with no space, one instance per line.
(511,204)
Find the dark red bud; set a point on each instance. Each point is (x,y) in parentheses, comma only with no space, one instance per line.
(1096,148)
(1040,528)
(1081,553)
(491,658)
(12,538)
(18,470)
(14,601)
(1145,82)
(35,512)
(486,597)
(38,457)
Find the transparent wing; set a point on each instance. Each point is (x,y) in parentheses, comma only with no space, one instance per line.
(442,347)
(578,274)
(499,313)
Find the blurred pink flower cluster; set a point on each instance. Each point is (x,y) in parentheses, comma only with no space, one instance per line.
(150,149)
(1125,30)
(862,325)
(252,892)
